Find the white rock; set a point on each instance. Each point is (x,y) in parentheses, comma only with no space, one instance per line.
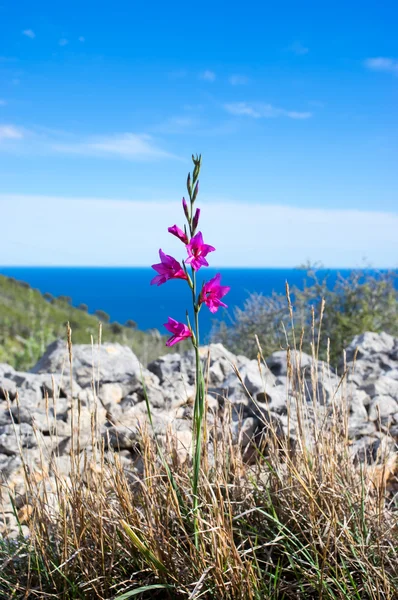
(382,406)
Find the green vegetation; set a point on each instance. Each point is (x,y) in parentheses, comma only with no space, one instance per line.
(276,522)
(364,301)
(29,321)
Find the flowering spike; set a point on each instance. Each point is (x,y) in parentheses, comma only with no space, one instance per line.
(179,330)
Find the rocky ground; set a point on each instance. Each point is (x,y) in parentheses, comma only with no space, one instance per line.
(39,409)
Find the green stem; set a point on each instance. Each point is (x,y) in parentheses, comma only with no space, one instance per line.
(199,405)
(198,414)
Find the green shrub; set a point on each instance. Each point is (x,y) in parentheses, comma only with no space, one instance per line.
(363,301)
(102,316)
(29,321)
(64,299)
(131,324)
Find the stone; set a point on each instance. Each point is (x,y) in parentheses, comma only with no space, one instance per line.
(5,418)
(122,437)
(358,427)
(175,367)
(358,401)
(369,449)
(382,407)
(10,438)
(179,394)
(383,386)
(109,363)
(243,431)
(6,370)
(167,368)
(326,388)
(362,370)
(277,362)
(275,399)
(8,388)
(394,432)
(392,374)
(183,444)
(370,343)
(110,394)
(9,465)
(61,385)
(255,383)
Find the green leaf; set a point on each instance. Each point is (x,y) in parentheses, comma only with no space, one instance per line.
(143,548)
(145,588)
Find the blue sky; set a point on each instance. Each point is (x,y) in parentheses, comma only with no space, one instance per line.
(293,106)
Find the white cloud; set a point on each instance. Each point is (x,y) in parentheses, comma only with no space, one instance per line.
(238,80)
(298,48)
(242,108)
(10,132)
(388,65)
(176,125)
(208,76)
(265,111)
(29,33)
(82,39)
(63,42)
(129,146)
(129,233)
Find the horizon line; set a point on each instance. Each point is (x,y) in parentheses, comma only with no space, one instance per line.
(243,267)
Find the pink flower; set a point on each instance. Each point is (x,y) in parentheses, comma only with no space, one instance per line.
(197,252)
(178,233)
(169,268)
(212,292)
(179,330)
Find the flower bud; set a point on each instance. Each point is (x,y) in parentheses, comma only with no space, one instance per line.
(195,192)
(195,220)
(189,187)
(197,162)
(185,207)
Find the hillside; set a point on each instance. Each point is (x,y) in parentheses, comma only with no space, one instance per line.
(29,321)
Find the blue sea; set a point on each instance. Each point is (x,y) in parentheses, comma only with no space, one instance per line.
(126,293)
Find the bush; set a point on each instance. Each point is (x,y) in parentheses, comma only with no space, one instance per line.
(64,299)
(102,316)
(131,324)
(363,301)
(116,328)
